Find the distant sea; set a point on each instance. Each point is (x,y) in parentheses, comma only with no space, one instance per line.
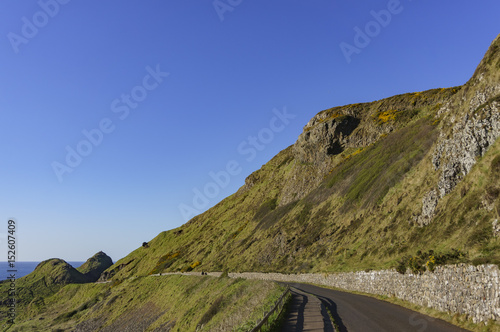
(25,268)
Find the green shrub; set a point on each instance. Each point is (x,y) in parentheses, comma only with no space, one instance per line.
(423,261)
(402,265)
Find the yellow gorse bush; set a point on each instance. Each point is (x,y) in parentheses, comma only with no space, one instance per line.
(389,115)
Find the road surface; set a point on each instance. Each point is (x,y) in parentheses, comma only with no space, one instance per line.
(354,313)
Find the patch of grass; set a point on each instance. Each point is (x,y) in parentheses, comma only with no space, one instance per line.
(153,302)
(276,215)
(265,208)
(368,176)
(480,235)
(275,321)
(211,312)
(165,262)
(67,316)
(495,167)
(304,214)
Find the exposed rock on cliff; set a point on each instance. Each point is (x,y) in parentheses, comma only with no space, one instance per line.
(317,143)
(429,204)
(470,138)
(95,265)
(470,125)
(331,134)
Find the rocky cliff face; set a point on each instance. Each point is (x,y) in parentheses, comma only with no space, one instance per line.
(469,139)
(334,134)
(318,142)
(363,186)
(470,125)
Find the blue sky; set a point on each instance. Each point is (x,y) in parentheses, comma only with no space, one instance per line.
(71,67)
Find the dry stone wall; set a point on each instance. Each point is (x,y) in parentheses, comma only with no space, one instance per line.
(463,289)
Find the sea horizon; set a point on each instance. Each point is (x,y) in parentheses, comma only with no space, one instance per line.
(24,268)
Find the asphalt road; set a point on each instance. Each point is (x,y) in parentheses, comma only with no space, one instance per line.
(357,313)
(306,313)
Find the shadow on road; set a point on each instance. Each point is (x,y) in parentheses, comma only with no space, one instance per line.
(316,320)
(363,313)
(295,319)
(332,307)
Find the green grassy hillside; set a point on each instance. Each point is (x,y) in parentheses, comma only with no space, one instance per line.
(48,277)
(353,193)
(95,265)
(174,303)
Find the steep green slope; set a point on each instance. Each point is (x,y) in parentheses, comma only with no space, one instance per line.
(167,303)
(95,265)
(364,186)
(49,276)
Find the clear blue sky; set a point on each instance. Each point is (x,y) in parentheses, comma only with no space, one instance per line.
(82,65)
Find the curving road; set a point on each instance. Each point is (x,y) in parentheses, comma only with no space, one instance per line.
(354,313)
